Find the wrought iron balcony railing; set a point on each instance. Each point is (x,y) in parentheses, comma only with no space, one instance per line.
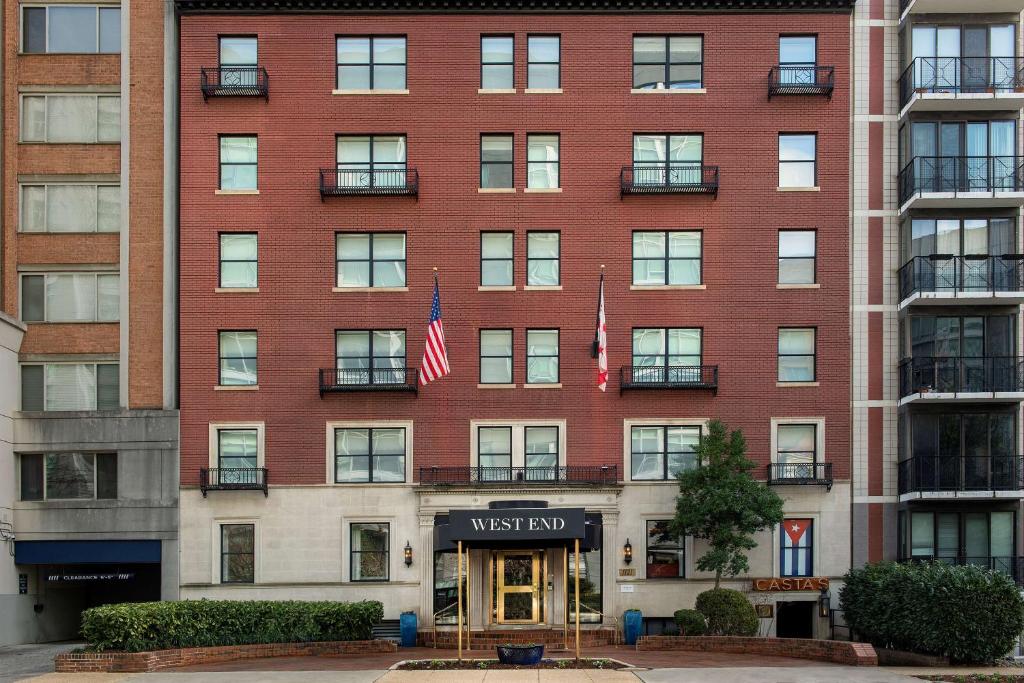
(234,81)
(961,174)
(957,75)
(668,377)
(660,178)
(338,380)
(529,476)
(950,273)
(956,375)
(800,474)
(340,182)
(1011,566)
(233,479)
(801,80)
(961,473)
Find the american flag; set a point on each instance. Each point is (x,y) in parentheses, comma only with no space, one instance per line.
(602,339)
(435,355)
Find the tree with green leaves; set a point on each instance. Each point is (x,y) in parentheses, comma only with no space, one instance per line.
(721,502)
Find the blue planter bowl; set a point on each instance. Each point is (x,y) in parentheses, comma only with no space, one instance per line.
(522,655)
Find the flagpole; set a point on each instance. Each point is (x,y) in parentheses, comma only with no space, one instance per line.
(597,317)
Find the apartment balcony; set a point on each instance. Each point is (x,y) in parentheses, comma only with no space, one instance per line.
(1011,566)
(681,178)
(908,7)
(342,380)
(233,479)
(961,380)
(565,475)
(800,474)
(668,377)
(801,80)
(962,182)
(349,182)
(946,279)
(234,81)
(962,84)
(931,477)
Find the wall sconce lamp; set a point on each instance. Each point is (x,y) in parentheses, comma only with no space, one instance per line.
(408,554)
(627,552)
(824,603)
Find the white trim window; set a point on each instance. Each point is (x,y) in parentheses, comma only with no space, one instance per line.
(70,207)
(531,450)
(70,386)
(70,297)
(658,449)
(237,552)
(797,444)
(70,118)
(68,476)
(234,445)
(369,455)
(67,28)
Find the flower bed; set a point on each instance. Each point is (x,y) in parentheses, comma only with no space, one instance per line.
(488,664)
(837,651)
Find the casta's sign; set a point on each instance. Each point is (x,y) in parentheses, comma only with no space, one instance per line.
(805,583)
(517,524)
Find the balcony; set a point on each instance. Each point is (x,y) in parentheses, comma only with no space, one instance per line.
(800,474)
(961,182)
(234,81)
(566,475)
(336,182)
(233,479)
(801,80)
(950,379)
(949,279)
(908,7)
(341,380)
(962,84)
(923,477)
(668,377)
(1011,566)
(673,179)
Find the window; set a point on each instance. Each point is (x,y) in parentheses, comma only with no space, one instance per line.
(667,354)
(668,62)
(70,386)
(797,547)
(371,63)
(370,551)
(983,538)
(496,63)
(369,455)
(495,161)
(70,297)
(543,57)
(666,554)
(237,553)
(662,452)
(798,55)
(797,257)
(71,118)
(797,160)
(542,161)
(496,356)
(494,452)
(238,358)
(237,449)
(543,252)
(796,450)
(70,207)
(667,258)
(796,354)
(237,51)
(527,452)
(957,237)
(68,476)
(496,259)
(238,162)
(370,356)
(660,159)
(371,259)
(542,356)
(371,160)
(238,264)
(71,28)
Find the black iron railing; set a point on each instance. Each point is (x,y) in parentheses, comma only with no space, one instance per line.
(800,474)
(336,380)
(961,174)
(339,182)
(950,273)
(668,377)
(1011,566)
(686,178)
(233,479)
(961,473)
(801,80)
(958,75)
(953,375)
(540,476)
(234,81)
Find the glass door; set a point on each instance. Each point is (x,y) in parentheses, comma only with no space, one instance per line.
(518,582)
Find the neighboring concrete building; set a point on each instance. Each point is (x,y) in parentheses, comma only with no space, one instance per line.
(15,604)
(87,263)
(331,159)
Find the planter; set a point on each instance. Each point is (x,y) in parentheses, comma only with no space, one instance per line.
(521,655)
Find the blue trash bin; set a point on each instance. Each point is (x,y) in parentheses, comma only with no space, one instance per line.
(407,624)
(632,625)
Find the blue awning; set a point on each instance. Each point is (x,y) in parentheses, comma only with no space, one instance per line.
(86,552)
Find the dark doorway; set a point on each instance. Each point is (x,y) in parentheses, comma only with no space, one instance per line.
(795,619)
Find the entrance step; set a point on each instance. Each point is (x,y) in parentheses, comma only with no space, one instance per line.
(552,639)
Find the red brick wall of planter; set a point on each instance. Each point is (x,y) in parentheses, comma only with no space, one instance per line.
(836,651)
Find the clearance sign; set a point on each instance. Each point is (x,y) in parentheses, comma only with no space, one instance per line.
(805,583)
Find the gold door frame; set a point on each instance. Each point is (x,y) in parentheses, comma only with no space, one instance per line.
(534,588)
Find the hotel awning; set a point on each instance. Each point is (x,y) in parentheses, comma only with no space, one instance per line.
(518,527)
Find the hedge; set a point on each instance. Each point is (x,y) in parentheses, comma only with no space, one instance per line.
(728,613)
(145,626)
(967,613)
(690,622)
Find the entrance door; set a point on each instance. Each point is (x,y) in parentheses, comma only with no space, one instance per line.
(795,619)
(518,583)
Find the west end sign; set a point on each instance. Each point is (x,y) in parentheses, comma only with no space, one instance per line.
(518,524)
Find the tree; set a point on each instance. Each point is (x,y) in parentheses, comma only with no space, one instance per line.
(719,501)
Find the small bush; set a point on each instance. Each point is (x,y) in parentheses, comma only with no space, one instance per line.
(967,613)
(143,626)
(728,613)
(690,622)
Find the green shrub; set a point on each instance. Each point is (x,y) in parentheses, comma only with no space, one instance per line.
(143,626)
(728,613)
(967,613)
(690,622)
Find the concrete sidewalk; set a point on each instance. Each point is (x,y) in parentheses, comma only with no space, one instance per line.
(807,674)
(18,662)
